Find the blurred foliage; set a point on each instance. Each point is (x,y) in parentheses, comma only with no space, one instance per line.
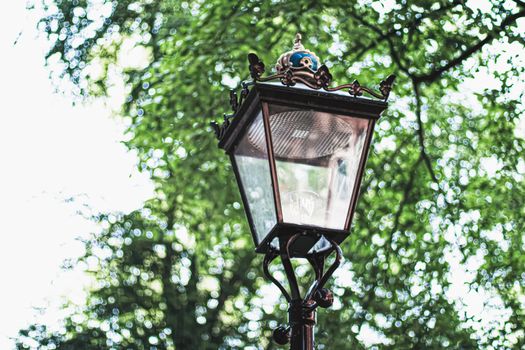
(444,182)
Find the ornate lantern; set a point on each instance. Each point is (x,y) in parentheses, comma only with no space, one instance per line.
(298,149)
(299,153)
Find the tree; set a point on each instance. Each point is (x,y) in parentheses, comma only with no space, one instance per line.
(181,273)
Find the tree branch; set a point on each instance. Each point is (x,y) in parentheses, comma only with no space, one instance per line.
(228,288)
(520,2)
(384,36)
(433,75)
(392,32)
(406,194)
(421,131)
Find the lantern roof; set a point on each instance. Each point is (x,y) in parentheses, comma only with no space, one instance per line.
(300,95)
(302,69)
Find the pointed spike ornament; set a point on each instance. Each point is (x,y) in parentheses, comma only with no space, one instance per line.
(386,85)
(297,44)
(256,66)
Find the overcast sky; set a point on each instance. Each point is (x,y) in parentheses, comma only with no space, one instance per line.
(50,151)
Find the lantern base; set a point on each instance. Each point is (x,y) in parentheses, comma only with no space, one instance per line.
(310,240)
(302,310)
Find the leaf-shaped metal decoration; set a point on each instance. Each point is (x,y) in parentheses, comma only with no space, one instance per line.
(256,66)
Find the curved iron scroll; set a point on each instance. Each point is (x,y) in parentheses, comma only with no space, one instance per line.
(268,258)
(318,79)
(321,279)
(301,313)
(317,261)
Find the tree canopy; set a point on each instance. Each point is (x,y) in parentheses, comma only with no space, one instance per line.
(443,189)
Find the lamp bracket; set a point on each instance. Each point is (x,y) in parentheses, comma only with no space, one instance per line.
(301,313)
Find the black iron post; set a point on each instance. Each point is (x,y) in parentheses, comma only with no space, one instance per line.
(302,322)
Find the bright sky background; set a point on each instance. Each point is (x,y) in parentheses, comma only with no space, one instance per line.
(52,151)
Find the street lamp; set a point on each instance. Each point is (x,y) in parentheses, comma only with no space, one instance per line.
(298,149)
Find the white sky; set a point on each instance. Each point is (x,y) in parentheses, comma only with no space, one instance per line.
(52,151)
(49,151)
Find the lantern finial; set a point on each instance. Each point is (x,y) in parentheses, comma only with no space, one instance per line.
(297,45)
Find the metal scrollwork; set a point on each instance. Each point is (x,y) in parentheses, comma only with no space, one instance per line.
(323,77)
(234,101)
(220,129)
(301,312)
(302,66)
(386,86)
(299,66)
(256,66)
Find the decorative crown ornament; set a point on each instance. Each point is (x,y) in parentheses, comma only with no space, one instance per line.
(303,66)
(298,57)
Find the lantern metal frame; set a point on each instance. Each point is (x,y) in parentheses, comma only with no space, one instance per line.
(262,94)
(299,66)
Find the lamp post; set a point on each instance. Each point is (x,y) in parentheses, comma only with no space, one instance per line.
(298,149)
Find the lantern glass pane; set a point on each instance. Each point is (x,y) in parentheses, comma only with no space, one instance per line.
(254,172)
(317,158)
